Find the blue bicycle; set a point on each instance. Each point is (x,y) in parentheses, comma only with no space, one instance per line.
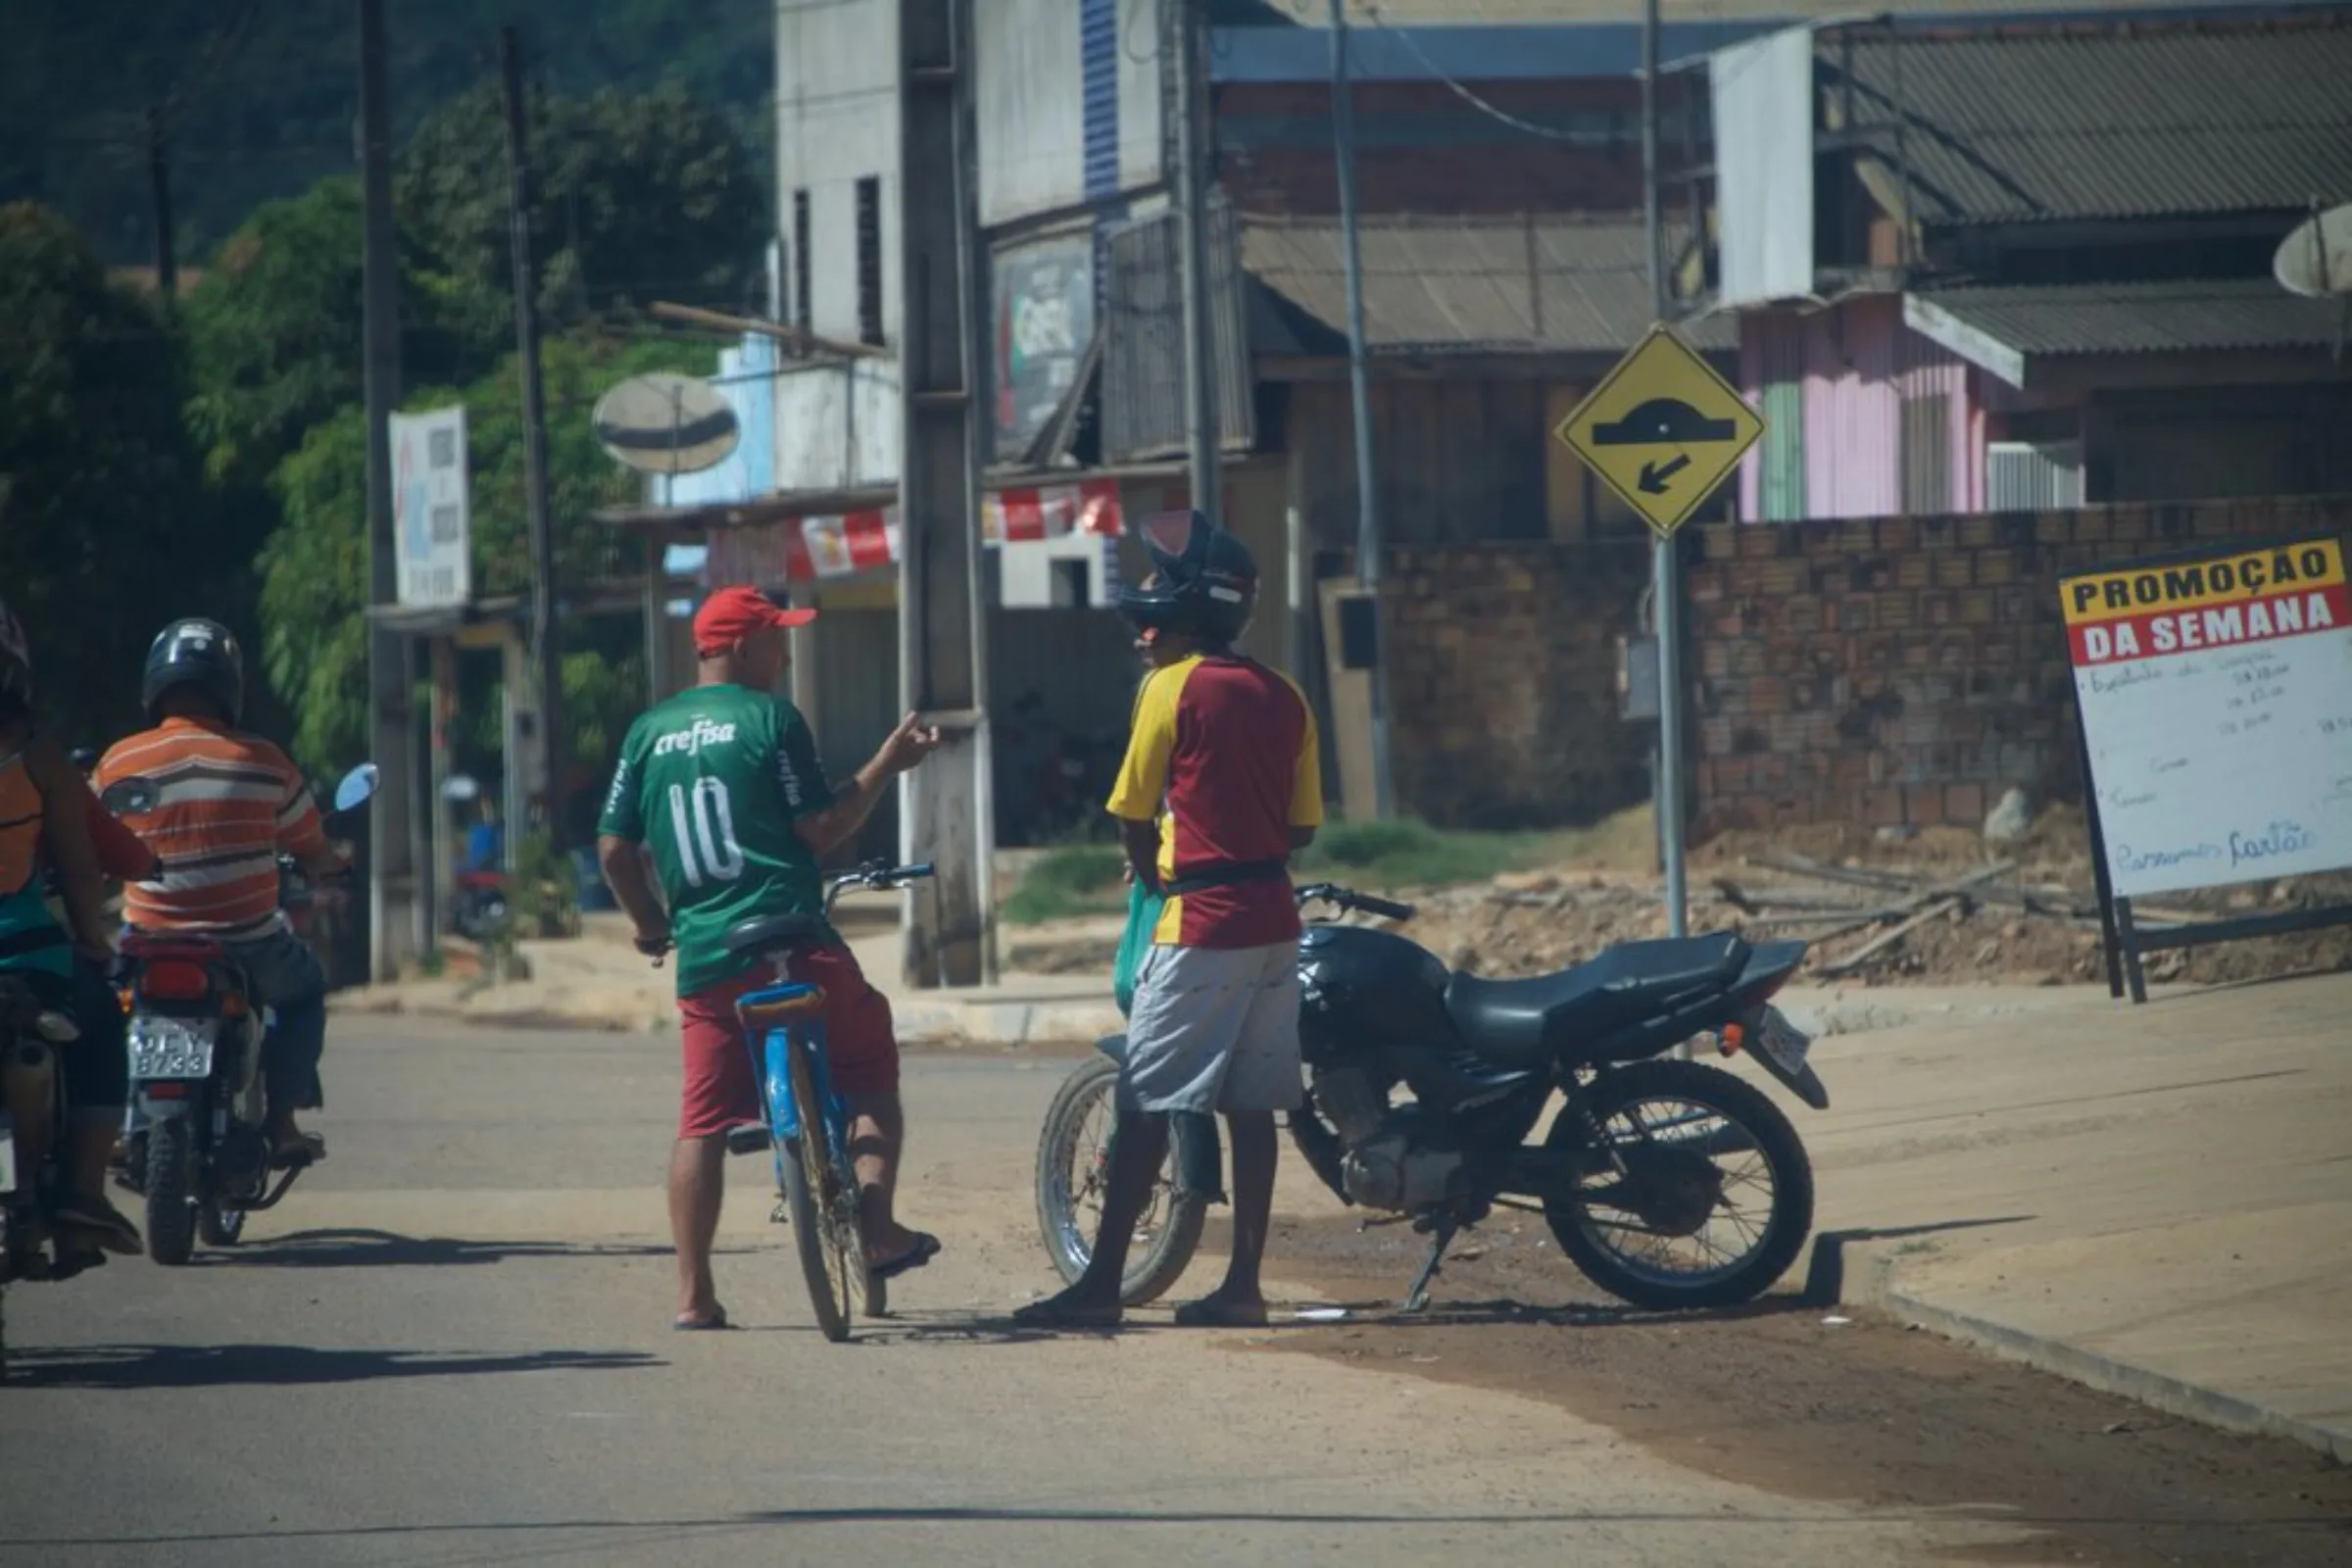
(816,1180)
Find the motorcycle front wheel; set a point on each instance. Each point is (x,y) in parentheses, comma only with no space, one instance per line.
(1073,1165)
(1698,1195)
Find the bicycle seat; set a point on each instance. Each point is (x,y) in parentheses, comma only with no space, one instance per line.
(765,933)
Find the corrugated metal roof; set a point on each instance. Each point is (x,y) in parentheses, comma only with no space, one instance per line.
(2171,120)
(1498,284)
(2143,318)
(1523,13)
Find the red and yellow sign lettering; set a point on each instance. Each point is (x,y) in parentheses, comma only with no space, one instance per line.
(2247,597)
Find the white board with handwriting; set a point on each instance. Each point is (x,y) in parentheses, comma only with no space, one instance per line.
(2216,704)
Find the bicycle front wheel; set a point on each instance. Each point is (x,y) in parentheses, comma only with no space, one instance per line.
(823,1205)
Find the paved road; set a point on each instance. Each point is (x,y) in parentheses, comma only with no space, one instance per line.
(451,1345)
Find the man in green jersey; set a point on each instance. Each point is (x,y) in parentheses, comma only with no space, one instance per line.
(721,788)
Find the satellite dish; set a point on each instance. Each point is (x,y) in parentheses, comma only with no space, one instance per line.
(662,423)
(2316,258)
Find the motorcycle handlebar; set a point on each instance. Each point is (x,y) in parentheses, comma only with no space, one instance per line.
(1348,899)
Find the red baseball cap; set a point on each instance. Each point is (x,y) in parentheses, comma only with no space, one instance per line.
(731,614)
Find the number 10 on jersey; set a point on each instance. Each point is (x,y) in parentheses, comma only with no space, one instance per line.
(705,823)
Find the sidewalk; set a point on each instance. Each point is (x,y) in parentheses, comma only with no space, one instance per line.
(2155,1200)
(599,981)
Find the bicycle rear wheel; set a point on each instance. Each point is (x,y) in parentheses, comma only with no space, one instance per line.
(832,1253)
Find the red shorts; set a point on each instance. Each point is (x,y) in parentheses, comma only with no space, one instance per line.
(862,1047)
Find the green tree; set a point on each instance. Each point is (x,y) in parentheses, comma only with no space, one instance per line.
(274,331)
(261,98)
(105,532)
(314,568)
(635,197)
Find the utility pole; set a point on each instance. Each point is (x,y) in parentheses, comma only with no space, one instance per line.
(159,184)
(393,899)
(943,807)
(1665,562)
(548,657)
(1367,489)
(1202,430)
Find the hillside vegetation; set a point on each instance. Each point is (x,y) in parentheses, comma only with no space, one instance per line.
(260,100)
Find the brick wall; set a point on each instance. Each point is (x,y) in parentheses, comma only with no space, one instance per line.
(1503,662)
(1909,671)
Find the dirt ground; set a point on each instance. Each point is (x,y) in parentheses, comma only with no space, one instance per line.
(1860,1411)
(1537,922)
(1534,923)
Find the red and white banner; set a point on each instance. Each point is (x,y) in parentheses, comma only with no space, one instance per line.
(819,548)
(1019,516)
(804,549)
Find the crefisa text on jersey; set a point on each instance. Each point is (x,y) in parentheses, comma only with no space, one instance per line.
(702,732)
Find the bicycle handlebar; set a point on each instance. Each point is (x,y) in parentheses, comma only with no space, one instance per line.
(875,876)
(1348,899)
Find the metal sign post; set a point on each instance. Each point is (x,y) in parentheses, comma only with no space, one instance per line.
(1663,429)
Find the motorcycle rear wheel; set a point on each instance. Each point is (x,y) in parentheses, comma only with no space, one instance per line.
(1070,1163)
(1669,1173)
(170,1186)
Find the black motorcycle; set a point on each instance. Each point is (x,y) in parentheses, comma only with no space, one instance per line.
(1670,1183)
(203,1160)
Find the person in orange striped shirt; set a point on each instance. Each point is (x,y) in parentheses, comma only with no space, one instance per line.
(225,803)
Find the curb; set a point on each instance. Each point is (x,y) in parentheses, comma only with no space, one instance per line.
(1874,1285)
(919,1023)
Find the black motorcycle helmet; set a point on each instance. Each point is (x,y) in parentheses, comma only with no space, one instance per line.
(1203,583)
(195,652)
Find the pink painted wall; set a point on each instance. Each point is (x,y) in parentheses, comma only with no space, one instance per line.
(1859,362)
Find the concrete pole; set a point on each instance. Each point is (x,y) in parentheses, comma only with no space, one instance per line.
(396,905)
(1202,430)
(1367,488)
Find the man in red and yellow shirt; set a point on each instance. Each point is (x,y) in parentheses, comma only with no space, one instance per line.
(1221,784)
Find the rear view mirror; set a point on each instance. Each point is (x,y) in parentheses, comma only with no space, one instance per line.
(356,787)
(128,797)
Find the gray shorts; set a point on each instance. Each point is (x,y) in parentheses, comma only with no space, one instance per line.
(1215,1029)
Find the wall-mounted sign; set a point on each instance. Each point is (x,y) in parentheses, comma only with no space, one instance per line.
(1043,319)
(432,521)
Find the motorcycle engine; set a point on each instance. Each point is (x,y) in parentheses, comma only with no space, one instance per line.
(1389,1162)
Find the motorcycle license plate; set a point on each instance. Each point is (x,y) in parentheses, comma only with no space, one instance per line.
(170,1048)
(1783,1042)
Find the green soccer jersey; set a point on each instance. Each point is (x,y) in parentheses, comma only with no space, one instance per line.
(711,782)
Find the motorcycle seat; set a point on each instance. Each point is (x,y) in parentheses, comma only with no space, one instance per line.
(771,932)
(194,950)
(1523,1023)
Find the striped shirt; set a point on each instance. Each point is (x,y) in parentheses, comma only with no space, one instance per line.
(225,803)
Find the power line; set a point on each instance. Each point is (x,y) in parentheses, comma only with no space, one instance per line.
(1405,36)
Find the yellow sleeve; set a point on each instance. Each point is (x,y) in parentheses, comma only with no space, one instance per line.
(1306,788)
(1144,773)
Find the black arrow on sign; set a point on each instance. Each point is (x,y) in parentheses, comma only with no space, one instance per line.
(1654,476)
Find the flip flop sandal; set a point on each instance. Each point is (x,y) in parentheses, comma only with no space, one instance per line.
(307,1150)
(1211,1313)
(687,1323)
(1050,1314)
(924,1250)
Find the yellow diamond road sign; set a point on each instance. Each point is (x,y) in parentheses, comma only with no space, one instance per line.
(1663,429)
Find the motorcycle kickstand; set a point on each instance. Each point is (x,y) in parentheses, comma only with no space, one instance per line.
(1417,1298)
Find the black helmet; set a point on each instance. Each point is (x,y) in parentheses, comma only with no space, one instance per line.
(1203,583)
(200,654)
